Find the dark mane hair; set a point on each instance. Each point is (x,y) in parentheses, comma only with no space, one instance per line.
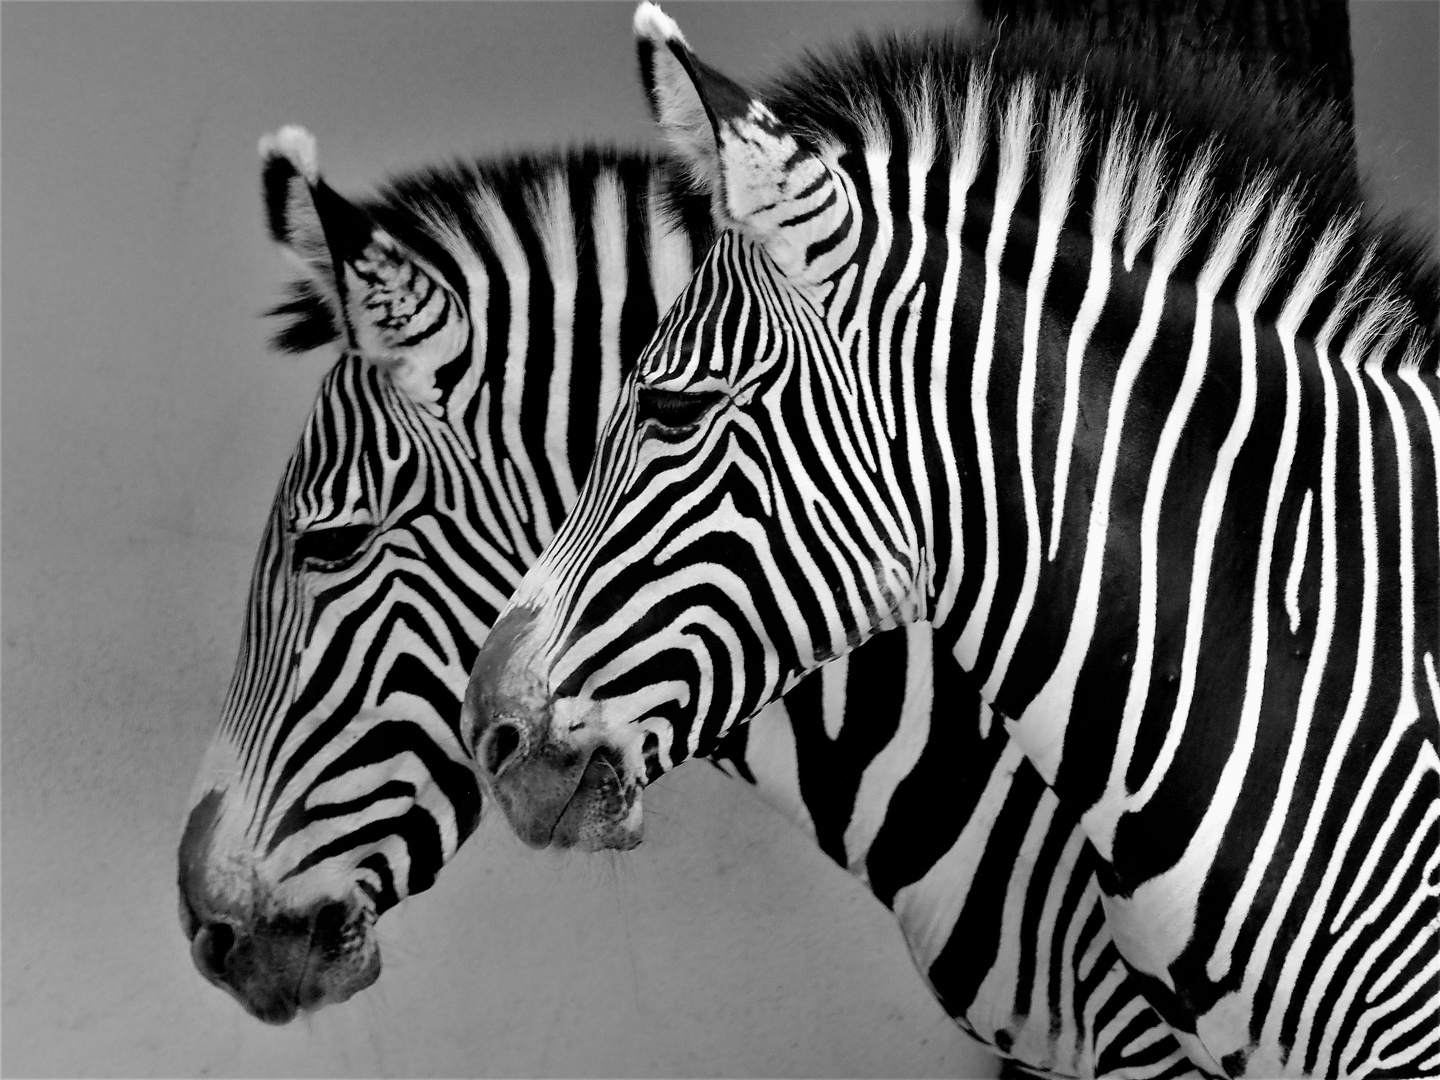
(1194,98)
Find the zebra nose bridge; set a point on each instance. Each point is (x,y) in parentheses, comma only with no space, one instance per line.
(506,709)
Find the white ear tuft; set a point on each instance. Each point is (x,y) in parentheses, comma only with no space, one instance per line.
(297,145)
(654,24)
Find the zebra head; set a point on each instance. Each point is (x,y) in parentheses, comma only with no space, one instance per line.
(337,783)
(667,608)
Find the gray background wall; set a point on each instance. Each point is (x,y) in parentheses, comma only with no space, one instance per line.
(144,429)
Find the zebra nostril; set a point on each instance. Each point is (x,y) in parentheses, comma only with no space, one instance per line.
(330,920)
(498,747)
(211,947)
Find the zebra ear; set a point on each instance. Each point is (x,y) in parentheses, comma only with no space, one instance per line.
(397,310)
(671,76)
(759,176)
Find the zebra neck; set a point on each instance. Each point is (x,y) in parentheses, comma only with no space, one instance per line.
(1174,501)
(1082,392)
(571,283)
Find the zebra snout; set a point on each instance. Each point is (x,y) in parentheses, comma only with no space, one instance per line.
(278,953)
(288,962)
(556,787)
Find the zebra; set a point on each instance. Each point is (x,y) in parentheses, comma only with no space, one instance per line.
(1095,364)
(337,784)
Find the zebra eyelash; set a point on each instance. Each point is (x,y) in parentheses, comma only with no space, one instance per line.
(329,548)
(674,411)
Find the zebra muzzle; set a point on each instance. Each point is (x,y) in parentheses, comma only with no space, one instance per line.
(278,958)
(596,817)
(561,788)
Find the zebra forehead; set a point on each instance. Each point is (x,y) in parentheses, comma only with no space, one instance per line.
(733,292)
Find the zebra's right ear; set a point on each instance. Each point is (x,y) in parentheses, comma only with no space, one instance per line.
(760,177)
(396,309)
(670,78)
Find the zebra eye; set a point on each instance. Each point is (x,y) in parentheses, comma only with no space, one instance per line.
(330,549)
(675,410)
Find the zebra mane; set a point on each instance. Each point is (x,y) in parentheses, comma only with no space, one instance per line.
(1192,118)
(433,209)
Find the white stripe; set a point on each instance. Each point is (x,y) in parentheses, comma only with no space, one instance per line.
(922,158)
(1409,501)
(855,338)
(997,991)
(885,588)
(1041,728)
(1422,769)
(1297,563)
(1110,192)
(1339,964)
(1216,269)
(516,274)
(1109,986)
(1259,275)
(1073,964)
(1408,706)
(513,491)
(516,266)
(1407,713)
(894,763)
(477,288)
(1310,686)
(1096,948)
(1423,388)
(971,149)
(1047,935)
(1422,1012)
(1265,853)
(1064,143)
(1170,898)
(928,909)
(1143,217)
(832,695)
(550,210)
(1126,1013)
(1427,764)
(863,583)
(608,222)
(1014,154)
(1359,693)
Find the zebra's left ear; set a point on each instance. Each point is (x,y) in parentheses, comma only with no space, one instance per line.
(397,309)
(760,177)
